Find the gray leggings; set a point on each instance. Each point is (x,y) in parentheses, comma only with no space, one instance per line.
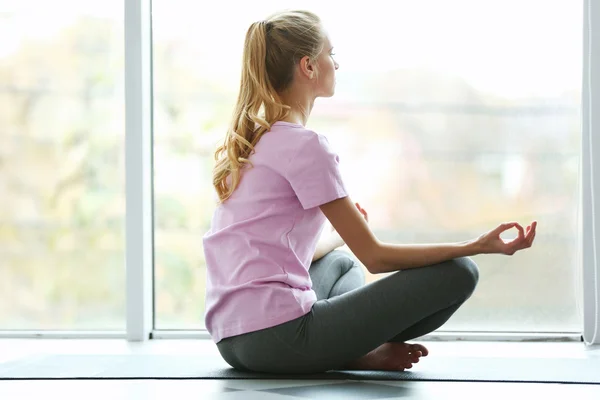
(350,319)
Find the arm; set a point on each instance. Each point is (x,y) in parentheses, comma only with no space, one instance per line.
(333,240)
(393,257)
(380,257)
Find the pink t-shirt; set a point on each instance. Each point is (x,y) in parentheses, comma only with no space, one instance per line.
(263,238)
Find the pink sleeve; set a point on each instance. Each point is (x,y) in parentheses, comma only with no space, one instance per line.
(314,173)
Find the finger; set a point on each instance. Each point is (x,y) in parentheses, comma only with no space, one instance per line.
(521,231)
(520,239)
(528,241)
(362,211)
(533,225)
(358,208)
(532,233)
(532,238)
(515,245)
(504,227)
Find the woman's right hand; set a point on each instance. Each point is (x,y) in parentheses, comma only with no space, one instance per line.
(492,243)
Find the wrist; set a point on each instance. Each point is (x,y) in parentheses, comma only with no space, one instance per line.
(472,247)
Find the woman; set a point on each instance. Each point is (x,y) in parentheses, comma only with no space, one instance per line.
(278,299)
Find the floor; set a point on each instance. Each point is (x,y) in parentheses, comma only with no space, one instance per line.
(11,349)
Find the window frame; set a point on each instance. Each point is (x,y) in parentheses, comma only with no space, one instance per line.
(590,173)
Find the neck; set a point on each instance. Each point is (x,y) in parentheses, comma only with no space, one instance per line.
(301,106)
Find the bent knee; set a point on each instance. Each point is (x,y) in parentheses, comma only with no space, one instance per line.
(344,261)
(466,273)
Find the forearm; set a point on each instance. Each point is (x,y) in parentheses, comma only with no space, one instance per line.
(326,244)
(394,257)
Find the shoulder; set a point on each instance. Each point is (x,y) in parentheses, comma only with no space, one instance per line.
(290,131)
(311,138)
(295,137)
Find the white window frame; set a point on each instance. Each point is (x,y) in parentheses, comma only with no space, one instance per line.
(139,195)
(139,165)
(591,171)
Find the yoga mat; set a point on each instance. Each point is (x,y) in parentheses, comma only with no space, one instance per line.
(542,370)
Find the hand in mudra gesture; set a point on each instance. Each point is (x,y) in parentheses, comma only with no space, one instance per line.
(492,243)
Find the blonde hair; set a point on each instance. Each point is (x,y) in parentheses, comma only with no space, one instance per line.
(272,49)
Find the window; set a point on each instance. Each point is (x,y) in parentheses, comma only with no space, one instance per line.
(449,118)
(62,166)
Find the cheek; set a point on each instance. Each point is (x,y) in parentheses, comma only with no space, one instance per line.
(326,71)
(330,66)
(327,66)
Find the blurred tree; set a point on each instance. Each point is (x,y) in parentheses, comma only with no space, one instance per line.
(62,210)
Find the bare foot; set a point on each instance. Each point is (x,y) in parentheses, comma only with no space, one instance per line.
(390,357)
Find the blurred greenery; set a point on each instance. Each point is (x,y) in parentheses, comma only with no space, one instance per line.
(61,175)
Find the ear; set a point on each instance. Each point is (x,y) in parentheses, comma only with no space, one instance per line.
(307,68)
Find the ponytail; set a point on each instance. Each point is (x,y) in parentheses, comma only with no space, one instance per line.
(271,50)
(258,107)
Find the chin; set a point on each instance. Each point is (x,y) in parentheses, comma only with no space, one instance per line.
(328,93)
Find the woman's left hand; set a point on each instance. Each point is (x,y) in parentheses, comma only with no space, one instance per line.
(362,211)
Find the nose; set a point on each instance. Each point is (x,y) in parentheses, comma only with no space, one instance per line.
(336,65)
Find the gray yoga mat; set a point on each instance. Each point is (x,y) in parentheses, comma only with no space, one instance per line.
(543,370)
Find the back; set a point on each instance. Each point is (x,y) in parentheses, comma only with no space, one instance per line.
(262,239)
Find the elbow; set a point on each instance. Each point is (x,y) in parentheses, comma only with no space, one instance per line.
(373,261)
(373,267)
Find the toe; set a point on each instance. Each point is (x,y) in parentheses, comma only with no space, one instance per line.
(421,348)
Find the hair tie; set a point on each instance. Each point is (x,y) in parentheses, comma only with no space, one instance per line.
(267,24)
